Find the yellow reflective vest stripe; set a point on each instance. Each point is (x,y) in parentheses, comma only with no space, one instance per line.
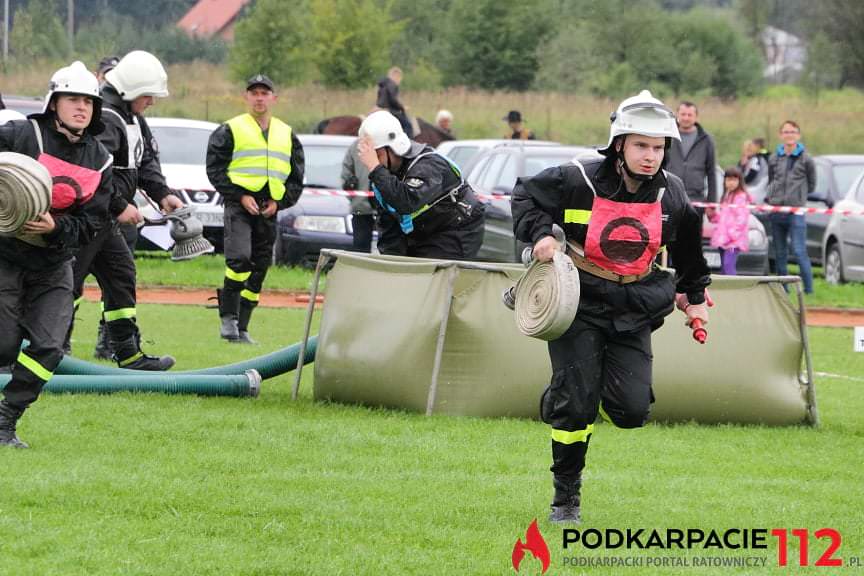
(574,216)
(257,161)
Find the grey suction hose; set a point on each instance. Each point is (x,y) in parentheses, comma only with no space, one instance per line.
(246,384)
(268,366)
(25,192)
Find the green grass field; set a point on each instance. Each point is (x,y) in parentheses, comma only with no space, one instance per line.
(147,484)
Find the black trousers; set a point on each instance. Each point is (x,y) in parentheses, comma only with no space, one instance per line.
(364,226)
(36,305)
(108,258)
(595,369)
(248,252)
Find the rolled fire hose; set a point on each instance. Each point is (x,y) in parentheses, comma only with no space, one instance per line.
(25,192)
(268,366)
(246,384)
(547,297)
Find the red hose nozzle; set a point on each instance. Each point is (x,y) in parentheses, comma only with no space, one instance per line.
(700,334)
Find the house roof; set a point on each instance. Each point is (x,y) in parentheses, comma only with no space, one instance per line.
(210,17)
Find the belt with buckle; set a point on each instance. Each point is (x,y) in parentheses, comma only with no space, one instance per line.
(576,254)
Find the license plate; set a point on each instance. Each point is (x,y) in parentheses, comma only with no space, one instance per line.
(713,259)
(210,218)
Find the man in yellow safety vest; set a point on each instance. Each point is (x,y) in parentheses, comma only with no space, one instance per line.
(256,163)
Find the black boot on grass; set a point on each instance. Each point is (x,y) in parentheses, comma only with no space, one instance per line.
(566,502)
(9,416)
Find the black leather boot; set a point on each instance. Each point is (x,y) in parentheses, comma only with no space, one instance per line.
(128,355)
(9,416)
(566,502)
(103,350)
(229,314)
(246,308)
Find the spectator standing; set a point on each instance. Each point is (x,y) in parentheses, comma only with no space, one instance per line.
(730,221)
(792,177)
(444,122)
(518,131)
(693,158)
(754,168)
(355,176)
(388,99)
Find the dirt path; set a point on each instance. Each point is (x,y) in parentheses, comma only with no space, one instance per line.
(194,296)
(275,299)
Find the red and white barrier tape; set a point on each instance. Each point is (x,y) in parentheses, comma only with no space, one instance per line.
(785,209)
(353,193)
(767,208)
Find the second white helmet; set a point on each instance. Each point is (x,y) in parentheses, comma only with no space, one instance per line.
(385,130)
(643,114)
(139,73)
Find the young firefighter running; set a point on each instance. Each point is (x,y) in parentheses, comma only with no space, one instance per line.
(618,213)
(36,274)
(256,163)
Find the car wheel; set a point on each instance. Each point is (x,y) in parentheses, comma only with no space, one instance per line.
(834,265)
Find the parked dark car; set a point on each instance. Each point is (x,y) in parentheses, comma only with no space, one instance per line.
(834,175)
(494,173)
(316,221)
(843,249)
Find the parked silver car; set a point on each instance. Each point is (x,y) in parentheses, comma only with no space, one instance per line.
(843,245)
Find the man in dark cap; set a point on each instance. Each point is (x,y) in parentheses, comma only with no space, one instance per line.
(256,163)
(107,63)
(517,129)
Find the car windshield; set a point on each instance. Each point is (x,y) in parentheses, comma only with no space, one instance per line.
(462,155)
(181,145)
(844,175)
(324,165)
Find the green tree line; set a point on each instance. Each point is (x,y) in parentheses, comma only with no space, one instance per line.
(608,48)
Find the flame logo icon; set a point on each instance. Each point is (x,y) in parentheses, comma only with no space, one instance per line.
(535,544)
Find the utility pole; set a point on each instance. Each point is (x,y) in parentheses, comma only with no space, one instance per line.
(70,24)
(5,30)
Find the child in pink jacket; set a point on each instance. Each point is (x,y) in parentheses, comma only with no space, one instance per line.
(730,221)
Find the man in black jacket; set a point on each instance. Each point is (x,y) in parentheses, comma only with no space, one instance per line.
(426,209)
(388,98)
(36,265)
(256,163)
(617,214)
(693,158)
(130,88)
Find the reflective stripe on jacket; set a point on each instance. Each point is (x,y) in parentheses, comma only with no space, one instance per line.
(257,161)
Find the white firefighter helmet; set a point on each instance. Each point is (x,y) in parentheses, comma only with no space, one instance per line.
(9,115)
(643,114)
(139,73)
(385,130)
(74,79)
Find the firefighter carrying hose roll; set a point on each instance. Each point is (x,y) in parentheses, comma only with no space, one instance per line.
(618,213)
(36,268)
